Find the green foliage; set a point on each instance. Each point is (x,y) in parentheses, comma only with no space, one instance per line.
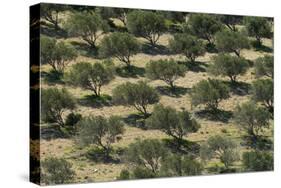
(173,123)
(204,26)
(108,12)
(56,171)
(72,119)
(166,70)
(143,173)
(100,131)
(120,45)
(147,154)
(87,25)
(230,21)
(264,66)
(230,66)
(252,118)
(147,24)
(186,44)
(177,165)
(258,161)
(258,27)
(54,102)
(51,12)
(220,147)
(56,54)
(91,76)
(262,90)
(139,95)
(229,41)
(124,175)
(209,92)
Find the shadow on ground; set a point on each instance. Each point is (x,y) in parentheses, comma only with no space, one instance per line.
(155,50)
(215,115)
(96,101)
(136,120)
(133,71)
(176,92)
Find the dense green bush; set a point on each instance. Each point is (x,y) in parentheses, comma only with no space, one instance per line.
(209,93)
(87,25)
(120,45)
(90,76)
(173,123)
(220,147)
(258,161)
(147,24)
(124,175)
(229,41)
(166,70)
(252,118)
(56,171)
(188,45)
(230,66)
(230,21)
(139,95)
(100,131)
(57,54)
(54,102)
(72,119)
(262,90)
(264,66)
(51,13)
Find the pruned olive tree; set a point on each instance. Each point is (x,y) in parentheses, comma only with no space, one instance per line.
(209,93)
(230,21)
(220,147)
(264,66)
(138,95)
(57,54)
(147,24)
(120,45)
(100,131)
(167,70)
(173,123)
(233,42)
(252,118)
(91,76)
(87,25)
(54,102)
(51,13)
(230,66)
(188,45)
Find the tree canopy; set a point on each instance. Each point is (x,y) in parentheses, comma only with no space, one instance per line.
(264,66)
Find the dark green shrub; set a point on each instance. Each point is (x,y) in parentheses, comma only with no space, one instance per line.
(72,119)
(264,66)
(258,161)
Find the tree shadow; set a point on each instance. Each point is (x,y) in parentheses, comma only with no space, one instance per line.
(155,50)
(176,92)
(215,115)
(211,48)
(96,101)
(51,31)
(98,155)
(52,77)
(85,49)
(136,120)
(133,71)
(51,132)
(183,147)
(261,47)
(238,88)
(197,66)
(258,143)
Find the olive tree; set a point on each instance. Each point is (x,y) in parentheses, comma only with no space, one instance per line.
(229,41)
(188,45)
(87,25)
(264,66)
(91,76)
(262,90)
(252,118)
(167,70)
(100,131)
(258,27)
(178,165)
(120,45)
(147,24)
(230,21)
(54,102)
(230,66)
(173,123)
(209,92)
(51,13)
(146,154)
(56,171)
(258,161)
(139,95)
(220,147)
(204,26)
(57,54)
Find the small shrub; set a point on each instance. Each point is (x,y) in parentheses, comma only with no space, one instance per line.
(258,161)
